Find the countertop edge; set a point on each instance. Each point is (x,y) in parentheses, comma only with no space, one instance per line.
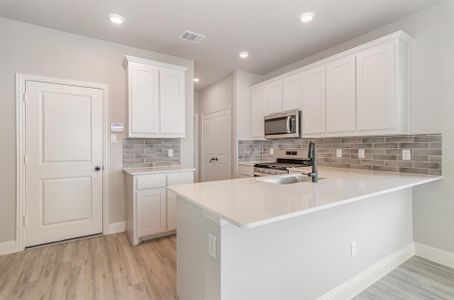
(151,171)
(310,210)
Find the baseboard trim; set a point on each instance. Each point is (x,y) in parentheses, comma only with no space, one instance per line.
(117,227)
(366,278)
(8,247)
(437,255)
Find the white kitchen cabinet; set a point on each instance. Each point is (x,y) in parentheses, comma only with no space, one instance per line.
(361,91)
(340,95)
(156,99)
(273,97)
(150,207)
(376,88)
(151,211)
(291,93)
(313,100)
(258,112)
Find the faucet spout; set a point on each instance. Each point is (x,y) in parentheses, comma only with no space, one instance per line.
(313,160)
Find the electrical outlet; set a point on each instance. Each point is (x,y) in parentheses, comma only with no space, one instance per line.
(406,154)
(271,151)
(113,139)
(354,248)
(212,244)
(170,153)
(361,153)
(338,153)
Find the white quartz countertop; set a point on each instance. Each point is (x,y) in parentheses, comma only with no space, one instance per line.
(248,202)
(157,170)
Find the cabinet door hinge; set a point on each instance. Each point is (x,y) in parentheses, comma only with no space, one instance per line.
(24,221)
(25,97)
(25,159)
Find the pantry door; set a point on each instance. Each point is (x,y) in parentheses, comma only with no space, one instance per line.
(63,162)
(217,147)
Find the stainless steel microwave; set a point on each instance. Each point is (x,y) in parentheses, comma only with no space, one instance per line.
(283,125)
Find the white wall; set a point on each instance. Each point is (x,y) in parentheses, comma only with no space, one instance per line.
(217,96)
(30,49)
(432,99)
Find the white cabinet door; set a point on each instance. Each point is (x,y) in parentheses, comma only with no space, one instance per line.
(375,88)
(258,111)
(171,83)
(177,178)
(313,99)
(151,211)
(340,95)
(291,95)
(273,97)
(143,100)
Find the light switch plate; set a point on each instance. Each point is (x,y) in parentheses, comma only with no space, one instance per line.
(338,153)
(354,248)
(212,244)
(406,154)
(361,153)
(170,153)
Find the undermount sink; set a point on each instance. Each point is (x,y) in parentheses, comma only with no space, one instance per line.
(286,179)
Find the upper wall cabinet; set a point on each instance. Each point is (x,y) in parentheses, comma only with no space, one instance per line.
(361,91)
(156,99)
(340,95)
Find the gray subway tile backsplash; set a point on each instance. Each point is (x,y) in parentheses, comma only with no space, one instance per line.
(382,153)
(142,153)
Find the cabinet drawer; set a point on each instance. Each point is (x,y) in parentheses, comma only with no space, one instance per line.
(151,181)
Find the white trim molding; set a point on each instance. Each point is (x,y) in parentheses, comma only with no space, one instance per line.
(366,278)
(21,80)
(117,227)
(437,255)
(8,247)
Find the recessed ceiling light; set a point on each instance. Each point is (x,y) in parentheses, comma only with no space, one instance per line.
(116,19)
(243,54)
(307,17)
(196,79)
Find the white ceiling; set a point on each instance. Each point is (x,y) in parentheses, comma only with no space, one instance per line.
(269,29)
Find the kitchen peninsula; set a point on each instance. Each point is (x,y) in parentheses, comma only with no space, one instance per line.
(254,239)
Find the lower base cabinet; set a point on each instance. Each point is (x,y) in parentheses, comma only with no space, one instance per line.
(150,207)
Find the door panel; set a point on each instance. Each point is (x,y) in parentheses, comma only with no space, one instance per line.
(274,98)
(63,146)
(144,101)
(151,211)
(313,94)
(291,98)
(258,111)
(341,95)
(172,102)
(375,88)
(217,146)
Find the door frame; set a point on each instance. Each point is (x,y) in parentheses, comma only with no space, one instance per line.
(21,80)
(202,141)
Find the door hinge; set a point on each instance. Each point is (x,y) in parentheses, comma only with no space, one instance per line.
(25,98)
(24,221)
(25,159)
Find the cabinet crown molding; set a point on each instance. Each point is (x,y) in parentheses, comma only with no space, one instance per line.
(159,64)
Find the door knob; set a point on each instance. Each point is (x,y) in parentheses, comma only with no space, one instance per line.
(97,168)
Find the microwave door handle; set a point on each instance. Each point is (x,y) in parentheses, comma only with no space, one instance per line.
(289,124)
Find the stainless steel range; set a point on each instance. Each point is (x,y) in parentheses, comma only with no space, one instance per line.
(288,159)
(281,165)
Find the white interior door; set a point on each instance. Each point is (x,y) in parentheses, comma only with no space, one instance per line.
(63,142)
(217,141)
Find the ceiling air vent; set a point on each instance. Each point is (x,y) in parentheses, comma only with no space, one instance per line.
(192,37)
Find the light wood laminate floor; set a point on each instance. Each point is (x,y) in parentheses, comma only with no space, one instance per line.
(417,278)
(107,267)
(102,267)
